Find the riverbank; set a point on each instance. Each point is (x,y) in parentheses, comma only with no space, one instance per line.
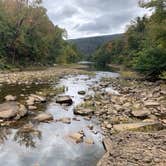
(131,112)
(133,118)
(46,75)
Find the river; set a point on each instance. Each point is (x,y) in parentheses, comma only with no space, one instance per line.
(50,144)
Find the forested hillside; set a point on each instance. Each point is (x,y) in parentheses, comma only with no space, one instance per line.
(27,36)
(143,47)
(87,46)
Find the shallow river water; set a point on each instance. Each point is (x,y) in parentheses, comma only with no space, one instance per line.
(50,144)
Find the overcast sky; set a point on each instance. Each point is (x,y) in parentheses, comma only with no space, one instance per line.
(82,18)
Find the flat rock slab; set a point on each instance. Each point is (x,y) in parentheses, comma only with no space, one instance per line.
(134,126)
(64,100)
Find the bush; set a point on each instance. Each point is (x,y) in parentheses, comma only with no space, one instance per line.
(151,61)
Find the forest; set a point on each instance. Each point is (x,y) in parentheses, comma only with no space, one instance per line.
(143,46)
(28,37)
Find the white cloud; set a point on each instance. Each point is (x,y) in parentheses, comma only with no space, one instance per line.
(83,18)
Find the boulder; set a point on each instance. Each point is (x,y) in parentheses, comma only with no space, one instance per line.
(12,109)
(64,100)
(44,117)
(10,98)
(83,111)
(8,110)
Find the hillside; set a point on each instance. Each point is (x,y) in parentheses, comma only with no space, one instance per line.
(87,46)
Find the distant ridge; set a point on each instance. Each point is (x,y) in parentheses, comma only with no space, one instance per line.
(88,45)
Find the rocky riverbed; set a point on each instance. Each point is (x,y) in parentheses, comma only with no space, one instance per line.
(132,115)
(59,112)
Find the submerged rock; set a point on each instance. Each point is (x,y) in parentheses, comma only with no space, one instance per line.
(89,141)
(65,120)
(44,117)
(64,100)
(81,92)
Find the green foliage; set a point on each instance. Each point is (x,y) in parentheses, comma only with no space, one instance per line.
(143,46)
(87,46)
(27,36)
(151,61)
(101,57)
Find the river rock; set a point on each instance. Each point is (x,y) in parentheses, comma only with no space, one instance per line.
(22,111)
(10,98)
(8,110)
(77,137)
(151,104)
(30,101)
(133,126)
(64,100)
(12,109)
(82,92)
(31,107)
(44,117)
(83,111)
(65,120)
(140,114)
(39,99)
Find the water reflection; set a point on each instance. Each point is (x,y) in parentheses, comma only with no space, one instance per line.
(4,132)
(28,136)
(48,143)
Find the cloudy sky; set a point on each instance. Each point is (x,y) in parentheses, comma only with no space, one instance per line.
(82,18)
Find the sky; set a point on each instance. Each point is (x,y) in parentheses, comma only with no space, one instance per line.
(84,18)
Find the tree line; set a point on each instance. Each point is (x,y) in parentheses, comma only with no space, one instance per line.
(143,46)
(27,36)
